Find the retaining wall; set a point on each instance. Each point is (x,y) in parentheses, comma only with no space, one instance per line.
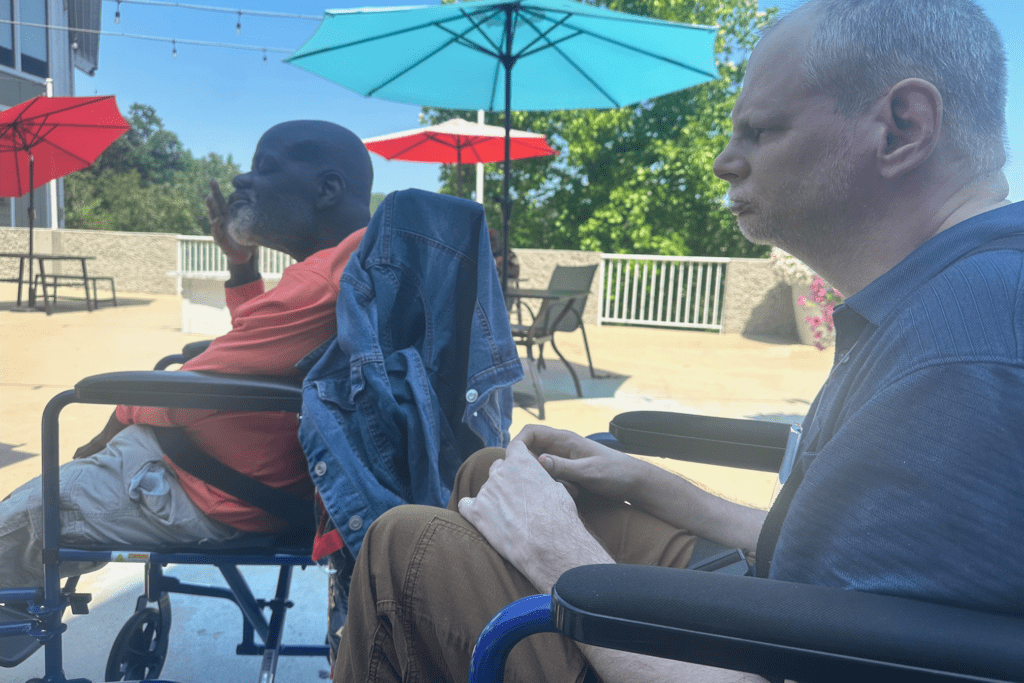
(755,301)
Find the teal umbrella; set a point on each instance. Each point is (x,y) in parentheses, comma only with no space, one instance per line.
(525,55)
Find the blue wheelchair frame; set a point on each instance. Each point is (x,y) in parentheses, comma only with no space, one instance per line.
(149,626)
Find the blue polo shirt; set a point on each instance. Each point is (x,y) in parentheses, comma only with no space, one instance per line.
(913,452)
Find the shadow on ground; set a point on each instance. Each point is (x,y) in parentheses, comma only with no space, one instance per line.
(9,454)
(70,305)
(204,631)
(557,385)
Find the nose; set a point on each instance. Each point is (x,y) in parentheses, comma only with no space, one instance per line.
(730,165)
(242,180)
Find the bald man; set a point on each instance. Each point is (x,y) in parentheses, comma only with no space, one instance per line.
(308,195)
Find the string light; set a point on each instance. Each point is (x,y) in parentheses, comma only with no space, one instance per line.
(117,14)
(227,10)
(202,43)
(174,49)
(264,55)
(238,26)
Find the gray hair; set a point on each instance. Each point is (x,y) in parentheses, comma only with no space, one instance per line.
(861,48)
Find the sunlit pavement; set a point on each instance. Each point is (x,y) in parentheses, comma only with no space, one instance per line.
(638,369)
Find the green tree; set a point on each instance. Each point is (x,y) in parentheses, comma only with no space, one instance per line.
(637,179)
(375,199)
(146,181)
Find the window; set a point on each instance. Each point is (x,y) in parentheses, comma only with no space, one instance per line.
(33,39)
(7,33)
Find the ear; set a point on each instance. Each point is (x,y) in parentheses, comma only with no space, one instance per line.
(912,116)
(331,189)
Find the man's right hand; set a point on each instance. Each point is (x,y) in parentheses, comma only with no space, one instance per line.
(576,460)
(217,207)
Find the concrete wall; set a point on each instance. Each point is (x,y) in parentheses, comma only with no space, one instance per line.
(138,261)
(755,303)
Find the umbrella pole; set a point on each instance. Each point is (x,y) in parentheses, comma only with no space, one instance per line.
(458,165)
(31,226)
(505,208)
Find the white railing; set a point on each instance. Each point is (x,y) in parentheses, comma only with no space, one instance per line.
(665,291)
(199,256)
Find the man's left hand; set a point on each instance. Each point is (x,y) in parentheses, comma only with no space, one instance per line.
(531,520)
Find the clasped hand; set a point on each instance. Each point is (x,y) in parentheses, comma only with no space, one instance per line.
(525,510)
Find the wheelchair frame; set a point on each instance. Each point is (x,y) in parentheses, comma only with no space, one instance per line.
(148,626)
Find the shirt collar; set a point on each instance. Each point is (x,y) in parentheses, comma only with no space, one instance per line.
(885,293)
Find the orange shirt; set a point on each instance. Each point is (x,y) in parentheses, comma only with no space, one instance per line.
(270,333)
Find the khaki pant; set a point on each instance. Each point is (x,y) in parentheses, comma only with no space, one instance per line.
(124,495)
(426,582)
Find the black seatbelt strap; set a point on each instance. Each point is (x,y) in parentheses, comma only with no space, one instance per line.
(182,452)
(772,527)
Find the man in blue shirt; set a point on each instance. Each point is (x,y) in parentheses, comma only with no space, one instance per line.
(867,141)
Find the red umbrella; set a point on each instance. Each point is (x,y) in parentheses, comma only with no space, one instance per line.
(458,141)
(49,137)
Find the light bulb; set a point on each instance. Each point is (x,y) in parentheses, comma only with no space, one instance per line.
(174,49)
(117,14)
(264,56)
(238,26)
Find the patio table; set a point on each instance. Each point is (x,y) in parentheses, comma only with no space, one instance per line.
(42,259)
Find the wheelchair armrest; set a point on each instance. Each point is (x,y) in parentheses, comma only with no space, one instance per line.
(198,390)
(193,349)
(749,444)
(188,352)
(782,629)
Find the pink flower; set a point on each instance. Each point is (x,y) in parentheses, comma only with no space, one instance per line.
(819,334)
(802,300)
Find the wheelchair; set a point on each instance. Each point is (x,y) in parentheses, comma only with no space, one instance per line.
(775,629)
(141,647)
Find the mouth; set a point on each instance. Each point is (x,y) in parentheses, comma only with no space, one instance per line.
(235,200)
(739,207)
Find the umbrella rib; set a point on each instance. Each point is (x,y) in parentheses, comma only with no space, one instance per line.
(42,137)
(77,105)
(542,35)
(369,39)
(549,44)
(456,38)
(434,137)
(552,45)
(639,50)
(476,25)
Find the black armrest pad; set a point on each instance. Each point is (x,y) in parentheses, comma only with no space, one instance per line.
(198,390)
(778,628)
(749,444)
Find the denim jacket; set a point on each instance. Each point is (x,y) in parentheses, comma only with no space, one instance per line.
(420,374)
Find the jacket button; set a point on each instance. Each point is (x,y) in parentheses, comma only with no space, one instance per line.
(471,396)
(355,523)
(320,468)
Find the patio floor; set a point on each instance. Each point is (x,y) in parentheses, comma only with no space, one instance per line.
(642,369)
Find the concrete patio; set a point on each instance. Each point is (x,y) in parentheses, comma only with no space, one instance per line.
(641,369)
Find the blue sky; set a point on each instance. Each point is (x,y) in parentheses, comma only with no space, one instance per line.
(221,100)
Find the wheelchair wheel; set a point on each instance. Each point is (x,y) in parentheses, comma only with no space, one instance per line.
(140,648)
